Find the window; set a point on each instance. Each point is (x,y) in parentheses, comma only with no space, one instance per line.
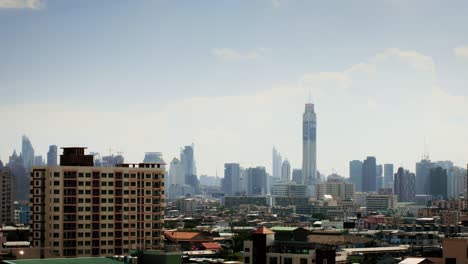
(247,260)
(303,261)
(288,261)
(247,249)
(273,260)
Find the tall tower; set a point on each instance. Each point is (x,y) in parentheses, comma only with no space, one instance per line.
(277,163)
(52,156)
(27,151)
(309,145)
(369,175)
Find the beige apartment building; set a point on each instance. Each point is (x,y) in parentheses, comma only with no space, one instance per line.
(81,210)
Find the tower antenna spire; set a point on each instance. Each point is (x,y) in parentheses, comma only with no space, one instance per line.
(310,97)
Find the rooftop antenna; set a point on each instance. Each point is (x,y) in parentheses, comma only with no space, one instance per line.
(426,154)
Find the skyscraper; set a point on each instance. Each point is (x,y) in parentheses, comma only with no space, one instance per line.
(379,177)
(256,181)
(355,174)
(39,161)
(448,166)
(187,159)
(369,175)
(437,183)
(388,175)
(22,181)
(286,171)
(231,181)
(309,146)
(297,176)
(423,169)
(52,156)
(27,152)
(276,162)
(153,157)
(404,185)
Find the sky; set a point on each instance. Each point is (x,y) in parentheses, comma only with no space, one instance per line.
(389,78)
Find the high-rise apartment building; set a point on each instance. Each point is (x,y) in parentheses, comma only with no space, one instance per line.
(52,155)
(286,171)
(7,186)
(231,181)
(369,175)
(309,146)
(82,210)
(404,185)
(388,176)
(355,174)
(276,164)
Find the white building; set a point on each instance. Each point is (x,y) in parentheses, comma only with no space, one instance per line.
(376,202)
(338,189)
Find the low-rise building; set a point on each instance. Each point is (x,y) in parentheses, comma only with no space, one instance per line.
(375,202)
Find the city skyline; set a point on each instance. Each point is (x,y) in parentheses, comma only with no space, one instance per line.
(180,94)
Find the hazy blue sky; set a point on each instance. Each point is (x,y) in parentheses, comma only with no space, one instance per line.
(233,77)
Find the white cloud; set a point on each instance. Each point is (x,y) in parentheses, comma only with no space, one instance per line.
(21,4)
(461,51)
(230,54)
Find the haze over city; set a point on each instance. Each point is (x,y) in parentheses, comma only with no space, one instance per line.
(388,79)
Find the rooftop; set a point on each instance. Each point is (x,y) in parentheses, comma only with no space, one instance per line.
(98,260)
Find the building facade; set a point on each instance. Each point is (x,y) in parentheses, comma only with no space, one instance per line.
(289,189)
(81,210)
(375,202)
(339,190)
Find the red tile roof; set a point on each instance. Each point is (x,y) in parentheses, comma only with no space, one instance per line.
(211,245)
(174,235)
(263,231)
